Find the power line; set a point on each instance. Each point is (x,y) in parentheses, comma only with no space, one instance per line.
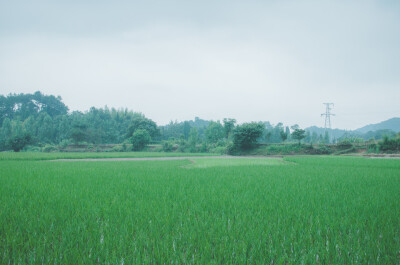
(328,115)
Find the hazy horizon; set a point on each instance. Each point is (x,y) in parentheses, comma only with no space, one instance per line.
(276,61)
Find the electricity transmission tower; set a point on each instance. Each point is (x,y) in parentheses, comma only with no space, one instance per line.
(328,115)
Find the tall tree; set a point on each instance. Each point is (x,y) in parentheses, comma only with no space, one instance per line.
(284,135)
(245,136)
(193,139)
(229,125)
(5,133)
(140,139)
(186,129)
(140,122)
(298,134)
(214,132)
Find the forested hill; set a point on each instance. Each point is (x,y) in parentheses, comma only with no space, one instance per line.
(374,131)
(391,124)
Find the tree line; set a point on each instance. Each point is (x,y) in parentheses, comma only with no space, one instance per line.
(38,120)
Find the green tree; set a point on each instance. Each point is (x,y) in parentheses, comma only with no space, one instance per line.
(24,105)
(186,129)
(284,135)
(229,125)
(193,139)
(30,125)
(326,138)
(140,122)
(314,138)
(214,132)
(299,134)
(5,133)
(79,132)
(167,146)
(140,139)
(389,144)
(287,131)
(45,131)
(245,136)
(267,135)
(18,142)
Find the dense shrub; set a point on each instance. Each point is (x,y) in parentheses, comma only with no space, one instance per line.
(344,145)
(167,146)
(48,148)
(117,148)
(372,148)
(140,139)
(389,144)
(245,136)
(219,150)
(18,142)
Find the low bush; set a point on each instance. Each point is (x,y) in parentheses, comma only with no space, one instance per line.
(48,148)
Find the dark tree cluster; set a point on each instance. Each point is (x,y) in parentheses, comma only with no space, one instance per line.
(39,119)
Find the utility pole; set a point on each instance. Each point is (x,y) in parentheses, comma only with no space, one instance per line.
(328,115)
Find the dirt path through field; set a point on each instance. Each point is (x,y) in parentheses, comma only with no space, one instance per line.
(165,158)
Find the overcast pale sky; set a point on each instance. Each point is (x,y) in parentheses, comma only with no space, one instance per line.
(274,61)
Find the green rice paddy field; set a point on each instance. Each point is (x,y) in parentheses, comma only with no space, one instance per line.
(296,210)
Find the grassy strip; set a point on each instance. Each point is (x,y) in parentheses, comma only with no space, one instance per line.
(51,156)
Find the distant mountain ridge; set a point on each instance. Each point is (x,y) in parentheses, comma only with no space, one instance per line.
(388,127)
(391,124)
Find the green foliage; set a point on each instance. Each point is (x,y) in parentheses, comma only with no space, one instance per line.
(118,148)
(379,134)
(284,135)
(327,138)
(245,136)
(18,142)
(298,134)
(276,134)
(344,144)
(79,132)
(140,139)
(167,146)
(204,148)
(193,139)
(219,150)
(5,133)
(140,122)
(24,105)
(176,129)
(48,148)
(323,150)
(186,129)
(372,148)
(350,150)
(215,132)
(389,144)
(64,143)
(229,125)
